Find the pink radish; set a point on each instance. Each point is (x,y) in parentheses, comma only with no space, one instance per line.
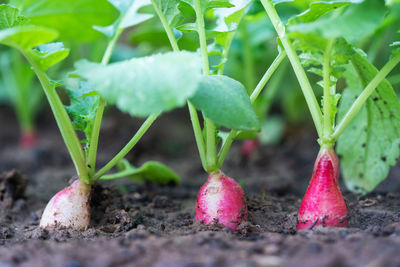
(221,200)
(249,147)
(69,208)
(28,140)
(323,203)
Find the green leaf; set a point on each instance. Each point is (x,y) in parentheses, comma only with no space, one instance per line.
(147,85)
(9,17)
(129,16)
(83,107)
(151,171)
(73,19)
(225,101)
(396,49)
(50,54)
(356,22)
(318,9)
(370,144)
(210,4)
(27,36)
(170,9)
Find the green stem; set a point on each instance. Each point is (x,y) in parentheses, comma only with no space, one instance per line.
(125,150)
(110,47)
(369,89)
(94,140)
(211,148)
(328,123)
(192,110)
(168,30)
(198,134)
(248,60)
(63,121)
(267,75)
(225,147)
(118,175)
(297,67)
(256,92)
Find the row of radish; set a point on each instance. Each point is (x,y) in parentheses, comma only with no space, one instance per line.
(322,39)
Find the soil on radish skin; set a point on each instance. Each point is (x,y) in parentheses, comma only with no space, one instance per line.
(150,225)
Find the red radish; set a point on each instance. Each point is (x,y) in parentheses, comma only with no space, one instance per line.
(28,140)
(69,208)
(323,203)
(221,200)
(249,147)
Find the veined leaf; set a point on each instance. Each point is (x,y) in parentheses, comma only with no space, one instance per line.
(50,54)
(358,21)
(147,85)
(318,9)
(9,17)
(26,36)
(151,171)
(73,19)
(83,107)
(225,101)
(210,4)
(370,144)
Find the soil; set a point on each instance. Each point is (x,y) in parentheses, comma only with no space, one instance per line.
(151,225)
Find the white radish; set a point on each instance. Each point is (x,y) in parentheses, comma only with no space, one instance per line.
(69,208)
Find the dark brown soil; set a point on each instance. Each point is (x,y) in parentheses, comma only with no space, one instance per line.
(149,225)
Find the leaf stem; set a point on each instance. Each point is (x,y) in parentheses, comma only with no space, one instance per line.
(116,175)
(369,89)
(198,134)
(328,122)
(125,150)
(297,67)
(168,30)
(110,47)
(256,92)
(267,75)
(211,147)
(94,140)
(192,110)
(64,123)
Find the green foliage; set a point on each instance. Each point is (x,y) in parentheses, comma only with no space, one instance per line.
(50,54)
(84,102)
(149,172)
(10,17)
(147,85)
(225,101)
(356,21)
(370,144)
(73,19)
(129,16)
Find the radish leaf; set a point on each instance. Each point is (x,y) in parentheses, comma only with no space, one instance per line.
(10,17)
(370,144)
(62,15)
(356,22)
(151,171)
(225,101)
(49,54)
(147,85)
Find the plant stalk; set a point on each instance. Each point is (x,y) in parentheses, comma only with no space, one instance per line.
(125,150)
(211,148)
(328,123)
(63,121)
(296,64)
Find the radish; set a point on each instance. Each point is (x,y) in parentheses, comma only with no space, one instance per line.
(249,147)
(323,203)
(28,140)
(221,200)
(69,208)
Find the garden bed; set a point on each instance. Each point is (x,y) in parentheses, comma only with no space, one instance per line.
(149,225)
